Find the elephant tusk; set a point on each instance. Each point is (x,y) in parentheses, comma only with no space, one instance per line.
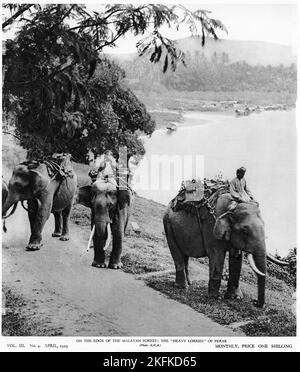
(253,266)
(108,237)
(271,258)
(107,240)
(12,211)
(90,239)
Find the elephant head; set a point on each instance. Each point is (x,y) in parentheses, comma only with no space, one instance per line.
(101,197)
(19,188)
(243,227)
(24,184)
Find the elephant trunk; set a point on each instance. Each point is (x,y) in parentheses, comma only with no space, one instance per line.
(103,232)
(9,202)
(261,284)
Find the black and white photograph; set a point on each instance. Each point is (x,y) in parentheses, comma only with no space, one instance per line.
(149,176)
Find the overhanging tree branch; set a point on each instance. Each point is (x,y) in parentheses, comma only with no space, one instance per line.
(10,20)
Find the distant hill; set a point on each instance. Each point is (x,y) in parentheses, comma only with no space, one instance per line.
(252,52)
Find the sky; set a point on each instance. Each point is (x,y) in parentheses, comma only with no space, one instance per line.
(273,21)
(276,23)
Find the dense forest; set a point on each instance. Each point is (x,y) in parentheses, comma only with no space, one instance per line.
(216,74)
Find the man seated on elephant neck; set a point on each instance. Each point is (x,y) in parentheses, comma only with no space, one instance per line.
(239,189)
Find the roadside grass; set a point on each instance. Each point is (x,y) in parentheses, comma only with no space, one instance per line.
(276,319)
(16,323)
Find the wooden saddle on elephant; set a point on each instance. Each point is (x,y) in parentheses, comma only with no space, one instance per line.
(196,193)
(193,190)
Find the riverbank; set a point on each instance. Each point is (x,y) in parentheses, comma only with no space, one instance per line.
(170,106)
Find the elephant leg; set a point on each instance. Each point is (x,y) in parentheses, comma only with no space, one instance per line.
(235,266)
(57,224)
(127,215)
(261,282)
(42,215)
(65,219)
(216,263)
(178,258)
(99,253)
(32,212)
(181,280)
(117,229)
(186,262)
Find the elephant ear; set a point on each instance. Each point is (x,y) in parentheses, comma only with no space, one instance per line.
(84,196)
(222,229)
(37,176)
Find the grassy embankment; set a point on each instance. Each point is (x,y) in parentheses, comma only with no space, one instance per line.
(146,255)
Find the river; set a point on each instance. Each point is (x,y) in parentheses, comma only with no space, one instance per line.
(264,143)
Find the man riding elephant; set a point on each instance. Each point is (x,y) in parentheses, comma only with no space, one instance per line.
(211,229)
(110,199)
(48,186)
(239,189)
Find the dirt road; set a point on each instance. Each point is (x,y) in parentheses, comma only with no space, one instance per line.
(63,292)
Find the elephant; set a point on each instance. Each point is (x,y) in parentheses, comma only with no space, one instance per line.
(49,187)
(110,210)
(213,233)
